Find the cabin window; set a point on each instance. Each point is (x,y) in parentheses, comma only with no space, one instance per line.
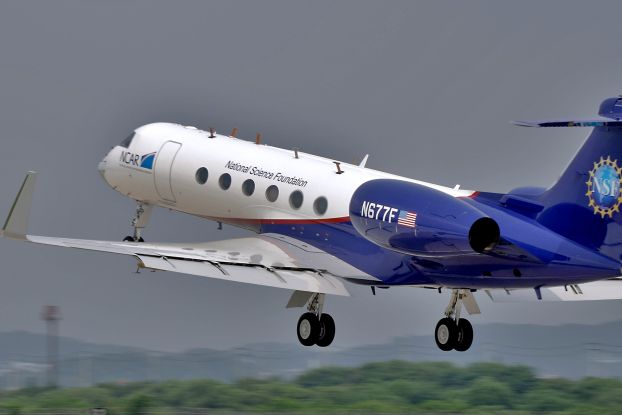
(201,175)
(296,199)
(224,181)
(248,187)
(320,205)
(272,193)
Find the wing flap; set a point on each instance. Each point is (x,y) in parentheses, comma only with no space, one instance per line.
(293,279)
(610,289)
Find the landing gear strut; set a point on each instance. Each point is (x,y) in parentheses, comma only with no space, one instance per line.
(453,332)
(315,327)
(139,222)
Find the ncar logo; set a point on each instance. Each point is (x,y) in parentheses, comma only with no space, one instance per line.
(136,160)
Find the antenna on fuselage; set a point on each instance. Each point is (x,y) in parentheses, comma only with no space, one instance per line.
(296,153)
(211,133)
(338,164)
(363,162)
(258,138)
(234,133)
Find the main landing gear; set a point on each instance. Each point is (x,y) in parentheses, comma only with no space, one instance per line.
(453,332)
(315,327)
(139,222)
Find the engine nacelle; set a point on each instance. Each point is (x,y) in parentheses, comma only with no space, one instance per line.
(415,219)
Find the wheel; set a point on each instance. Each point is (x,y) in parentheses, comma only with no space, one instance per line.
(327,331)
(465,335)
(446,334)
(308,329)
(140,239)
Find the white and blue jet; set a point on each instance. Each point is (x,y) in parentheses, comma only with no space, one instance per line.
(321,224)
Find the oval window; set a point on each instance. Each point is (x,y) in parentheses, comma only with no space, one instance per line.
(248,187)
(295,199)
(201,175)
(224,181)
(320,205)
(272,193)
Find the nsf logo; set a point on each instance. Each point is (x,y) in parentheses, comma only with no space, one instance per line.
(603,187)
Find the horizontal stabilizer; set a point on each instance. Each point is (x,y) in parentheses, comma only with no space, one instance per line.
(609,113)
(570,123)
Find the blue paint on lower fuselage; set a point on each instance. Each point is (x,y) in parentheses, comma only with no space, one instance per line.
(468,271)
(344,242)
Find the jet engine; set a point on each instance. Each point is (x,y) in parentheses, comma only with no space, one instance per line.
(419,220)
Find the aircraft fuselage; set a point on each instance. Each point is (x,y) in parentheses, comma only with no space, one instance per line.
(308,199)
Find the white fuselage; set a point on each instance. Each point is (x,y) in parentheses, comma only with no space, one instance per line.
(173,181)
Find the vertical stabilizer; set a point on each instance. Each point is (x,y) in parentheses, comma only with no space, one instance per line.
(585,204)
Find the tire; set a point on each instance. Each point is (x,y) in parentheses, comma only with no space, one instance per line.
(446,334)
(140,239)
(308,329)
(327,330)
(465,335)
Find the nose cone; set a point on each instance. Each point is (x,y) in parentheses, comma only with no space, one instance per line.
(102,166)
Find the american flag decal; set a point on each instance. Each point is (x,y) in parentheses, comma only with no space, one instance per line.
(407,218)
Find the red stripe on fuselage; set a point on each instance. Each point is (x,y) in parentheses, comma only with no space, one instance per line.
(280,221)
(471,196)
(343,219)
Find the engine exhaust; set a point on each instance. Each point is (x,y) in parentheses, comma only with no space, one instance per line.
(484,235)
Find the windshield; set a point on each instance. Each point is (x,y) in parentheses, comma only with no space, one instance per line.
(126,143)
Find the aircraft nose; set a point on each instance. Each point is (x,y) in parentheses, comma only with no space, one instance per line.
(101,167)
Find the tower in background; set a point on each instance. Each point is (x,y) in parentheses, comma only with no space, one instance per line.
(51,315)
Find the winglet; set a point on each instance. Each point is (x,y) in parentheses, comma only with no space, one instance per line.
(16,224)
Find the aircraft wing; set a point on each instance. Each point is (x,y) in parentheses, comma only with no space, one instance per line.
(610,289)
(260,260)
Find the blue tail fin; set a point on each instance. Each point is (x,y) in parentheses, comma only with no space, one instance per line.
(586,202)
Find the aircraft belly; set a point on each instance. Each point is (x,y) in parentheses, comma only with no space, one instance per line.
(310,256)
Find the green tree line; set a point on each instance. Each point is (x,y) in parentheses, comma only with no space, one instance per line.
(386,387)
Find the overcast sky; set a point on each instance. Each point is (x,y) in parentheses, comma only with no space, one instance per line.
(427,88)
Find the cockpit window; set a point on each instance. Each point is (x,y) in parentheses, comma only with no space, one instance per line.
(126,143)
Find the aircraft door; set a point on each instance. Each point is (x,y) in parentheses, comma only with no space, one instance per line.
(162,170)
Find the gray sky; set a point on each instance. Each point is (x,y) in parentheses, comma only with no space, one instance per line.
(427,88)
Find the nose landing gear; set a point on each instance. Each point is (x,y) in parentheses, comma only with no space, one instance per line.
(453,332)
(139,222)
(315,327)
